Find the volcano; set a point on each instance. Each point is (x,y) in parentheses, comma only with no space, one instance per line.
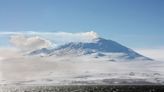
(99,47)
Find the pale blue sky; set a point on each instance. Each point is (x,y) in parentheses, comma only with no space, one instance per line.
(134,23)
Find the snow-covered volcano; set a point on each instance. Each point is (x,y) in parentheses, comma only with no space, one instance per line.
(98,47)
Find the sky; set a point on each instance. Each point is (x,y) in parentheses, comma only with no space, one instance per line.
(137,24)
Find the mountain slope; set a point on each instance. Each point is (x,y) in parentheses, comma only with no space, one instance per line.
(99,46)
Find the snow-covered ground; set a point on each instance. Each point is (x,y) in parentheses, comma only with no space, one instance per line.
(65,70)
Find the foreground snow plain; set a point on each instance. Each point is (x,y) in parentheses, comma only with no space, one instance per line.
(82,70)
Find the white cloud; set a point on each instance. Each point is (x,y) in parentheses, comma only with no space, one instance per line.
(29,43)
(62,37)
(91,34)
(57,37)
(6,53)
(157,54)
(84,35)
(1,58)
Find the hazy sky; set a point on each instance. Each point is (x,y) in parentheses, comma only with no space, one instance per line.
(134,23)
